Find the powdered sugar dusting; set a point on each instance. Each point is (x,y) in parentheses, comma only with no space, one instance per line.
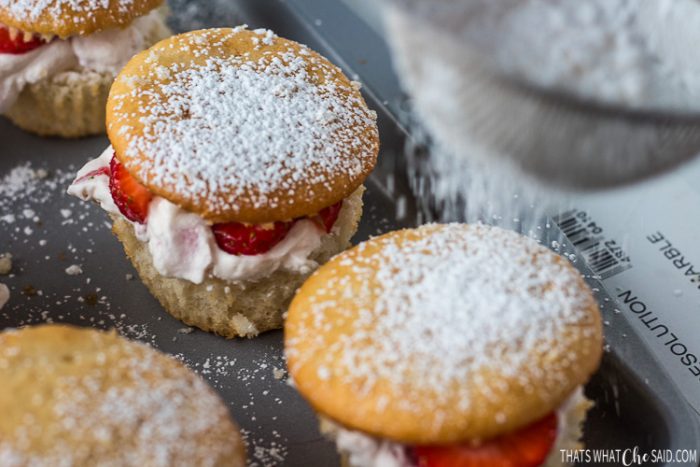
(34,9)
(442,307)
(237,129)
(20,179)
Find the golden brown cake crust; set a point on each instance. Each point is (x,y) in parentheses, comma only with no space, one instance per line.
(442,334)
(65,18)
(240,309)
(294,137)
(82,397)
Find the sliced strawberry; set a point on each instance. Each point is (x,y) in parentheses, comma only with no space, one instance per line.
(18,45)
(128,194)
(326,217)
(93,173)
(528,447)
(249,240)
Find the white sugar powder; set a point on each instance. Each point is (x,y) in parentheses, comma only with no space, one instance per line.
(34,9)
(21,179)
(445,307)
(74,270)
(639,54)
(621,51)
(161,412)
(247,128)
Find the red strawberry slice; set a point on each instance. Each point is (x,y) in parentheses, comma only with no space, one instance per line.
(326,217)
(249,240)
(18,45)
(93,173)
(528,447)
(128,194)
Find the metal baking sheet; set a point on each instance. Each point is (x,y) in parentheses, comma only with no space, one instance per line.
(51,231)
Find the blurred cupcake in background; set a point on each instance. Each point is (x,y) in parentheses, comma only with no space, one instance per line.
(58,59)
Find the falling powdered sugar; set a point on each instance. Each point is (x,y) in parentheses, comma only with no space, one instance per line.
(620,51)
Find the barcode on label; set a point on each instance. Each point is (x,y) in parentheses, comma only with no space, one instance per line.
(603,256)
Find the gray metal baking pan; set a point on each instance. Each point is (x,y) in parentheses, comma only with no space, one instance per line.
(635,404)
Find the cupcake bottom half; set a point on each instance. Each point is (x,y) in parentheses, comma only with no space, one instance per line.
(234,309)
(70,104)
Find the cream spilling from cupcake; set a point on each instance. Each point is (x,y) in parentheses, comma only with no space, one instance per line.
(182,244)
(103,52)
(363,450)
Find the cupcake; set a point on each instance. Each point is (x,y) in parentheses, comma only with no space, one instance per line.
(236,168)
(58,59)
(81,397)
(447,345)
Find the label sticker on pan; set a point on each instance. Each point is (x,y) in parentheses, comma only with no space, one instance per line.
(603,255)
(644,243)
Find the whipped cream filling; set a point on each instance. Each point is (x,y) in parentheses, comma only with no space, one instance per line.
(182,244)
(367,451)
(103,52)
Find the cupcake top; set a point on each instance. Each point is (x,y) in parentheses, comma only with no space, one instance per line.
(65,18)
(73,396)
(240,125)
(442,334)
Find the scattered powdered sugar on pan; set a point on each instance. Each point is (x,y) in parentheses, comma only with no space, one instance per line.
(264,453)
(443,307)
(257,390)
(20,181)
(74,270)
(235,128)
(218,369)
(24,188)
(50,235)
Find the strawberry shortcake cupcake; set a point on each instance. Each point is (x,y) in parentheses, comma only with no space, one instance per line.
(447,345)
(236,168)
(58,59)
(80,397)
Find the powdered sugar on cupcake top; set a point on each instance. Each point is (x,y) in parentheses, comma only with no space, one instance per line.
(226,130)
(34,9)
(110,402)
(454,315)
